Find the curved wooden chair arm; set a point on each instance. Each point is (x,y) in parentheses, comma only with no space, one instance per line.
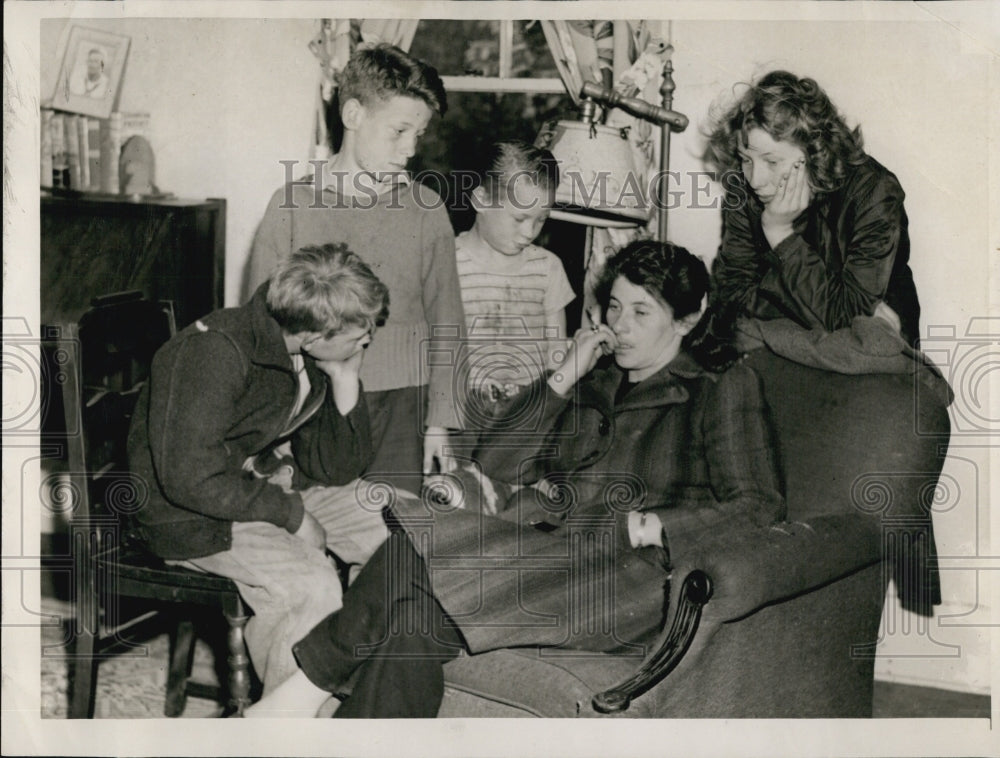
(695,593)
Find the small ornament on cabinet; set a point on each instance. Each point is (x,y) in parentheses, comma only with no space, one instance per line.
(137,169)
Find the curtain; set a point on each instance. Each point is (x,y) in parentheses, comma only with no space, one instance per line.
(585,51)
(333,44)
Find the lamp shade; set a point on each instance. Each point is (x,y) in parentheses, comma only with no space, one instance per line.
(598,181)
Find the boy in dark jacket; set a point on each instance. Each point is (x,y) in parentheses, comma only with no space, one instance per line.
(252,432)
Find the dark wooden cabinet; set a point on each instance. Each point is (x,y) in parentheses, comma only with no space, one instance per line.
(169,249)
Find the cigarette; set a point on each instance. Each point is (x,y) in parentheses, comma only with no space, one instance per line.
(594,327)
(593,321)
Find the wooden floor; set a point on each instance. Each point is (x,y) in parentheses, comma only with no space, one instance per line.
(906,701)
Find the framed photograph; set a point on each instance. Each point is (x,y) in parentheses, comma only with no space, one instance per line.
(91,72)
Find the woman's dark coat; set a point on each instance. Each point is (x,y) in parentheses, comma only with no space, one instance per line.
(849,250)
(691,446)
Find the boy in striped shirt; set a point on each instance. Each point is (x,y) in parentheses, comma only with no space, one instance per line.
(514,293)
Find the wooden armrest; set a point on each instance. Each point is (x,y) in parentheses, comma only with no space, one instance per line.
(695,593)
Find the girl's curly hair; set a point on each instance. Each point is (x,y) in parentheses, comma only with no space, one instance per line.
(789,109)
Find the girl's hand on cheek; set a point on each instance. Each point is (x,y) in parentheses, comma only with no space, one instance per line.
(792,197)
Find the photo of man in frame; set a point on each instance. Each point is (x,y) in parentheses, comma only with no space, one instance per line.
(88,76)
(91,71)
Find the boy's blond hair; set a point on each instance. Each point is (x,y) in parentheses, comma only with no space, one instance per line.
(325,289)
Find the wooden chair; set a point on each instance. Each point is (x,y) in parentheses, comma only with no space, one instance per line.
(104,362)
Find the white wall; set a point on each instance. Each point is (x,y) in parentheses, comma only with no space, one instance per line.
(228,99)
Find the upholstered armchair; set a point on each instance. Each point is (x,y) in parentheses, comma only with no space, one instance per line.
(774,622)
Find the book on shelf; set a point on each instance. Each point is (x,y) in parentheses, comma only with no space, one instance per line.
(111,146)
(134,124)
(94,151)
(58,135)
(73,149)
(46,145)
(83,139)
(82,153)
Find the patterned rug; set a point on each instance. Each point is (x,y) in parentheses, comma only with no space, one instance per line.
(129,685)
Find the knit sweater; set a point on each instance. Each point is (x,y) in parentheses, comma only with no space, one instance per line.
(405,237)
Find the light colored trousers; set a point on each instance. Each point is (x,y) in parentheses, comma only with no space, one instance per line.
(290,585)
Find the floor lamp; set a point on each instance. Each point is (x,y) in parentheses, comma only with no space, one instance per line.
(599,184)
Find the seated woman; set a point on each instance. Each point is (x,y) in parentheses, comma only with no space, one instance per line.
(659,452)
(813,228)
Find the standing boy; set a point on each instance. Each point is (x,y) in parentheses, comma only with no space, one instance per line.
(514,293)
(363,197)
(251,433)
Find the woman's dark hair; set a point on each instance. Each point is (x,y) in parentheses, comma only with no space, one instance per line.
(667,272)
(677,278)
(789,109)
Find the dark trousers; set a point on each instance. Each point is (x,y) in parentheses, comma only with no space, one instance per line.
(397,436)
(385,647)
(387,644)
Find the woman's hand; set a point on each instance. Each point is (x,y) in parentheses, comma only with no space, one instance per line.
(792,197)
(344,380)
(588,345)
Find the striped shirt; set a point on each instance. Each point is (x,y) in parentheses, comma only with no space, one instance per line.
(506,300)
